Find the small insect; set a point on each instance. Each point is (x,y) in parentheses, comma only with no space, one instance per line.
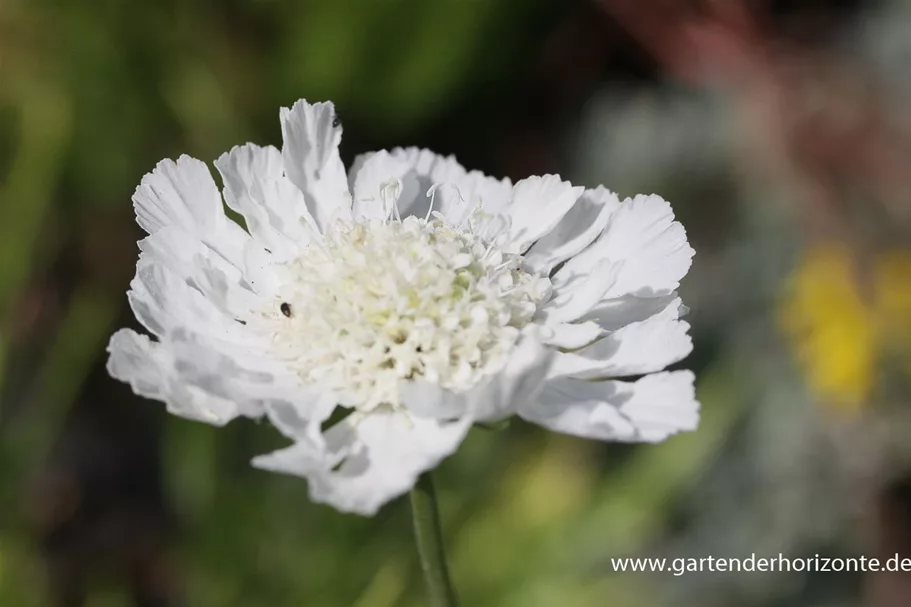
(286,309)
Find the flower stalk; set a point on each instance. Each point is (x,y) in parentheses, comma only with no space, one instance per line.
(429,537)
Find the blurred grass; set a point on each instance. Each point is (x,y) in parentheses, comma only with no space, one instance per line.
(93,94)
(29,184)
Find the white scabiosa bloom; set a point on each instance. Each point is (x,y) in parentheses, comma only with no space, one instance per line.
(411,294)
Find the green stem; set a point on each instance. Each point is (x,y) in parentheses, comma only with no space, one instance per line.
(429,537)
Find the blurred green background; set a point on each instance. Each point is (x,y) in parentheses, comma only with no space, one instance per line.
(779,130)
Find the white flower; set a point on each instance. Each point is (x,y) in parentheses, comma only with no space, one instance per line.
(416,295)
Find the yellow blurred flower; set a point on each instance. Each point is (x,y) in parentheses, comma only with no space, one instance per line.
(840,328)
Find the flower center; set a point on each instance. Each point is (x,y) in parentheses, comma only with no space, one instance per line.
(375,303)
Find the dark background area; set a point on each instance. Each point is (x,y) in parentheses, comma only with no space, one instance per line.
(780,132)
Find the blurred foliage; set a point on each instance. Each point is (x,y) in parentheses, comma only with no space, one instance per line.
(92,95)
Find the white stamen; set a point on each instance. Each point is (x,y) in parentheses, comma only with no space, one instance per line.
(376,304)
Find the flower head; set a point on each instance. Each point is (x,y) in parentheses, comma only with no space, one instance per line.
(414,295)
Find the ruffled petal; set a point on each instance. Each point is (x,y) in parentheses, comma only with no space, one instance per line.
(365,461)
(184,194)
(570,336)
(616,313)
(538,204)
(301,417)
(311,138)
(640,347)
(579,227)
(274,208)
(138,361)
(179,193)
(643,236)
(575,298)
(648,410)
(164,302)
(195,381)
(222,283)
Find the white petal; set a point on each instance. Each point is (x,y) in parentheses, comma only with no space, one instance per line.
(575,298)
(301,417)
(166,304)
(519,382)
(495,399)
(648,410)
(570,336)
(162,301)
(613,314)
(538,204)
(643,235)
(365,461)
(181,251)
(196,382)
(184,194)
(641,347)
(178,193)
(382,181)
(312,160)
(458,192)
(222,283)
(259,269)
(273,207)
(137,360)
(426,399)
(578,228)
(355,167)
